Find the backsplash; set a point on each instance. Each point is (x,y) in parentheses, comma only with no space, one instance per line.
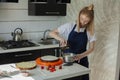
(31,29)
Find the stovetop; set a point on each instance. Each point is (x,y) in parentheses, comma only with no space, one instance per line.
(16,44)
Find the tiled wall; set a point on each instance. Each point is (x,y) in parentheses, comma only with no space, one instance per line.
(13,15)
(103,59)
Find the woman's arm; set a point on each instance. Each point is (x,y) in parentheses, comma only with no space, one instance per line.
(86,53)
(55,34)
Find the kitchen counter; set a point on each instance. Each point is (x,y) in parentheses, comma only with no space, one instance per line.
(38,74)
(40,46)
(27,53)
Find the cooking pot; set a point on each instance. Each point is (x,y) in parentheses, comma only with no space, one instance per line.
(68,58)
(17,34)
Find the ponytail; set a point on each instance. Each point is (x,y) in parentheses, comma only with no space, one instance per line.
(89,11)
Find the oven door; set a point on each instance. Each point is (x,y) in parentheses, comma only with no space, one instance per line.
(19,56)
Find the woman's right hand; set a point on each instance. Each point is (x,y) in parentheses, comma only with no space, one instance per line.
(55,34)
(63,42)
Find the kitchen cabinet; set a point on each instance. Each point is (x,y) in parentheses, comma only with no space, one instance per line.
(11,1)
(42,1)
(51,51)
(14,57)
(46,8)
(63,1)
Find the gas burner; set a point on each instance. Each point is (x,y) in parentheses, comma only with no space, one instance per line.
(16,44)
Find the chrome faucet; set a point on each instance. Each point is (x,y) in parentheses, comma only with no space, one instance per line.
(44,35)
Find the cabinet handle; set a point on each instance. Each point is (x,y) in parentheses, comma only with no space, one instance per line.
(52,12)
(60,53)
(23,55)
(55,52)
(39,2)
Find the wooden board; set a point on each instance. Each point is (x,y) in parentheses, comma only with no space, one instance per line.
(26,65)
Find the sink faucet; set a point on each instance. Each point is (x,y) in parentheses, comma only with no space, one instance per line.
(44,35)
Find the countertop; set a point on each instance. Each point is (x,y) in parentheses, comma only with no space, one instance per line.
(38,74)
(40,46)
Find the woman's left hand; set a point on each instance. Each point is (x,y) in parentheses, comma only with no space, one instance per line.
(78,57)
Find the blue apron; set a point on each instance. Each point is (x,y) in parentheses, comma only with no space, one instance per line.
(78,43)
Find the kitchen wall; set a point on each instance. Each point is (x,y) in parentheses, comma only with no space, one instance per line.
(104,58)
(13,15)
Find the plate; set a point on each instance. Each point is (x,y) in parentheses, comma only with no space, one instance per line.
(49,58)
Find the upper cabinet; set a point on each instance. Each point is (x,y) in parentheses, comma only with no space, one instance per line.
(62,1)
(38,1)
(11,1)
(47,7)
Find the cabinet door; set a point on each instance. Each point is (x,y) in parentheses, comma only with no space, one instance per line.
(6,58)
(37,0)
(52,51)
(14,1)
(63,1)
(19,56)
(46,8)
(26,55)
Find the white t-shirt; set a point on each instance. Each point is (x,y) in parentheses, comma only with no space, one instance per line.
(65,29)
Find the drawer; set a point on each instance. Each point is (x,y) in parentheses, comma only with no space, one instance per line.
(19,56)
(26,55)
(51,51)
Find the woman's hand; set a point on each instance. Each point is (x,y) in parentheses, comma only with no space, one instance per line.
(63,42)
(55,34)
(84,54)
(78,57)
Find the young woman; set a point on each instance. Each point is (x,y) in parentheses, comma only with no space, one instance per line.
(77,35)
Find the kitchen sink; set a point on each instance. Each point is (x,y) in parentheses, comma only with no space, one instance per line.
(49,41)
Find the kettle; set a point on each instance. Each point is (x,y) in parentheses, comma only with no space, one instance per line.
(17,34)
